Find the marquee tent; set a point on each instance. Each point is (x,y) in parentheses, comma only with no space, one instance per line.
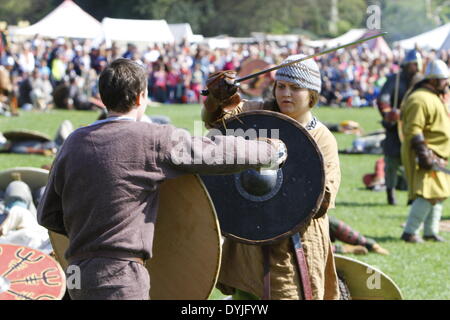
(68,20)
(433,39)
(130,30)
(446,44)
(182,31)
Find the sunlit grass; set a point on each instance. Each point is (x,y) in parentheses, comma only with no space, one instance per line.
(421,271)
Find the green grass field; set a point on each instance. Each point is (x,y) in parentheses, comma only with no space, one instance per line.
(421,271)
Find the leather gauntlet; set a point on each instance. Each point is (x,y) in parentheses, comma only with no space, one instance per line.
(425,157)
(222,91)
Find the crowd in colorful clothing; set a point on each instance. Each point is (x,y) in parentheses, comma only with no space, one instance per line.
(64,72)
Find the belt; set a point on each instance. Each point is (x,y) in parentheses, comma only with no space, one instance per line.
(120,255)
(301,264)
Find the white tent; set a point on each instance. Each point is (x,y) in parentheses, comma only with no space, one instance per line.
(218,43)
(129,30)
(68,20)
(183,31)
(432,39)
(446,44)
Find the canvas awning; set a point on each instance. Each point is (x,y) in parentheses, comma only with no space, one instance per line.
(68,20)
(131,30)
(433,39)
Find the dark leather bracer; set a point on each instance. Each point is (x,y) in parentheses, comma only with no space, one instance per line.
(425,156)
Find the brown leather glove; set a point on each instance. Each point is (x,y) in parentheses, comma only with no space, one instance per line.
(393,116)
(222,91)
(426,158)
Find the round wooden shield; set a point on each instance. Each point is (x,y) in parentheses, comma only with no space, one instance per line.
(186,249)
(254,87)
(29,274)
(296,190)
(26,135)
(34,177)
(366,282)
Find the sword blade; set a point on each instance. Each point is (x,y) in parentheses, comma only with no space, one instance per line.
(256,74)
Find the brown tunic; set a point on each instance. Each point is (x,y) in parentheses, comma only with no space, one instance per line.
(242,265)
(103,188)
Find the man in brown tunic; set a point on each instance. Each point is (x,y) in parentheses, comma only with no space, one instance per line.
(103,188)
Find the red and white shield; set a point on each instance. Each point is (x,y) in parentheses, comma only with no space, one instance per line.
(29,274)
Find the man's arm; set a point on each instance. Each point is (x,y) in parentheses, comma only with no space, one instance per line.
(219,154)
(384,103)
(49,211)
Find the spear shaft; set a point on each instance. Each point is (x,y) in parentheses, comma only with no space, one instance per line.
(257,74)
(253,75)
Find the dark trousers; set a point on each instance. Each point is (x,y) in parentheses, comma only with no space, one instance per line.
(111,279)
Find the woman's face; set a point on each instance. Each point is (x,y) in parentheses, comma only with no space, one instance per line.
(292,100)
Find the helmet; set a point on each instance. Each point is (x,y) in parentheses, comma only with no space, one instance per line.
(412,56)
(437,69)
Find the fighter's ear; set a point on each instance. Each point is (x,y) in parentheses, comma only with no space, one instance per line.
(140,97)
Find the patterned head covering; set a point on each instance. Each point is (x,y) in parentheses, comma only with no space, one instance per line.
(305,74)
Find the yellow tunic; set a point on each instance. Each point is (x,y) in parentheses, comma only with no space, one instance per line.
(424,113)
(5,81)
(242,265)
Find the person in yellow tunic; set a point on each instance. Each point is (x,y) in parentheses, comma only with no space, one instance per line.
(425,149)
(296,91)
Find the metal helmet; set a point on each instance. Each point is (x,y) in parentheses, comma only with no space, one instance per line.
(412,56)
(437,69)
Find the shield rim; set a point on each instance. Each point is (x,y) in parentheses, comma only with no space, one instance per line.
(29,171)
(25,135)
(316,208)
(343,260)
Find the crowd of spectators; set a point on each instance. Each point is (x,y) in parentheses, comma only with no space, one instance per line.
(64,73)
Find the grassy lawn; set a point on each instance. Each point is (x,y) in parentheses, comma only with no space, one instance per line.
(421,271)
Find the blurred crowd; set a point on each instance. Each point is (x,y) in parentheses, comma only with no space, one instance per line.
(63,73)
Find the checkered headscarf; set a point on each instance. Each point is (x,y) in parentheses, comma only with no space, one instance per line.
(305,74)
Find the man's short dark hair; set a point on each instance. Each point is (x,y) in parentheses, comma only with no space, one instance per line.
(121,83)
